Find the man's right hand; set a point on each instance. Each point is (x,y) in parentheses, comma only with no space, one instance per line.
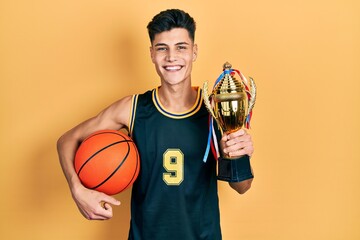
(94,205)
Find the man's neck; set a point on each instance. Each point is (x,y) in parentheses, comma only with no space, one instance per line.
(177,98)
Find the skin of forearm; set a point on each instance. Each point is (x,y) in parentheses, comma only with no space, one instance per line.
(66,147)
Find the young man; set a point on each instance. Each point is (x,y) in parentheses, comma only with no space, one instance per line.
(175,195)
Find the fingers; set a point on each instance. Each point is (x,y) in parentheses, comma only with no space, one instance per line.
(233,135)
(238,133)
(111,200)
(95,205)
(237,144)
(238,152)
(103,210)
(237,137)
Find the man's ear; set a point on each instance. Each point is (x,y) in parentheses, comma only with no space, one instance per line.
(152,53)
(195,52)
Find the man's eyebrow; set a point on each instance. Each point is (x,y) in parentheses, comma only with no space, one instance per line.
(182,43)
(160,44)
(176,44)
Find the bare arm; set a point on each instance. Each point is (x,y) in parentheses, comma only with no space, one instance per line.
(241,187)
(238,144)
(92,204)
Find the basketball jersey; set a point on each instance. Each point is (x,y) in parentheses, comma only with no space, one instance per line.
(175,194)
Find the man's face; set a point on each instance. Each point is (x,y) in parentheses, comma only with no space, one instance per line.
(173,52)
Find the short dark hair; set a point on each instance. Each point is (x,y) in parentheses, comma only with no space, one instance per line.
(169,19)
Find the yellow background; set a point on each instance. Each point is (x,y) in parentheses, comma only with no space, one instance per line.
(64,61)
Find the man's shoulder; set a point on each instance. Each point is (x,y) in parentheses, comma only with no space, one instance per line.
(129,99)
(146,93)
(145,96)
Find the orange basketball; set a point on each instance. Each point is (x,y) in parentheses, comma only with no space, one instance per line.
(107,161)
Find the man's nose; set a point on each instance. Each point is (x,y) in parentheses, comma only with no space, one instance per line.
(171,55)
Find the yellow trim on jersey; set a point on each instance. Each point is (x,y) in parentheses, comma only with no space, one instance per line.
(132,113)
(194,109)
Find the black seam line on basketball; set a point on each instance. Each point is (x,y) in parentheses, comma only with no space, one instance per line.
(78,173)
(137,165)
(118,167)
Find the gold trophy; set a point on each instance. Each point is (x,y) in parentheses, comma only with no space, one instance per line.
(230,105)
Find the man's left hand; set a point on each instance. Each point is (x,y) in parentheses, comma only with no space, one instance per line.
(237,144)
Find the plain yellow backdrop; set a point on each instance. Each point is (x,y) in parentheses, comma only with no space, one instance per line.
(62,62)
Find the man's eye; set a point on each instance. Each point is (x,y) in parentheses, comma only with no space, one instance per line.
(182,47)
(161,49)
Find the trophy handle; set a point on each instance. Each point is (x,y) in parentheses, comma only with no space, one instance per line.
(252,95)
(206,98)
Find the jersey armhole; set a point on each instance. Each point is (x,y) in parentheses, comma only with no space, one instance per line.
(132,113)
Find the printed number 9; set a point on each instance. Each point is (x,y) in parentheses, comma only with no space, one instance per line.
(173,161)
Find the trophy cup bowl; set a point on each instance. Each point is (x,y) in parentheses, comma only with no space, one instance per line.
(230,104)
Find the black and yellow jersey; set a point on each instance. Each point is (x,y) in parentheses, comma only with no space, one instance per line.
(175,195)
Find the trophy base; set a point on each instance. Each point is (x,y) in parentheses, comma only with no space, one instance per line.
(234,170)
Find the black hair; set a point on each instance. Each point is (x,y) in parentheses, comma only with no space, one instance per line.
(169,19)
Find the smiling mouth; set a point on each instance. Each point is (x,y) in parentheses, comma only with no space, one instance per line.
(173,68)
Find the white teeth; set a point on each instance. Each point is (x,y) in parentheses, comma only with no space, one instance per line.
(172,68)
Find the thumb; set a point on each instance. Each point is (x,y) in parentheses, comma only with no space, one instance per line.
(224,137)
(111,200)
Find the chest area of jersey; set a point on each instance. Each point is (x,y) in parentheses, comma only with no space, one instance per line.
(162,132)
(172,146)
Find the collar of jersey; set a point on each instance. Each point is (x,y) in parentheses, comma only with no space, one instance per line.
(180,115)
